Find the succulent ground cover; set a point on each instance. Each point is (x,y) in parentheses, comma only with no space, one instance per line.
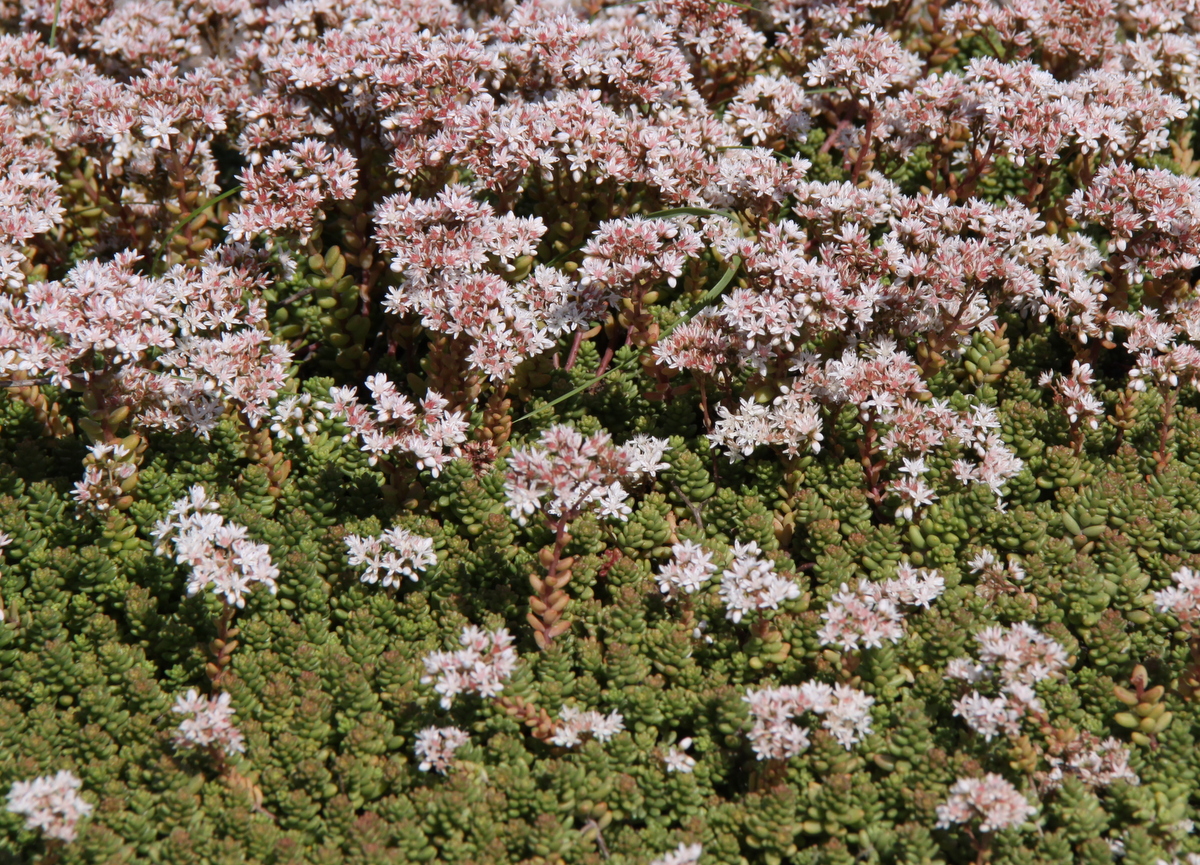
(662,432)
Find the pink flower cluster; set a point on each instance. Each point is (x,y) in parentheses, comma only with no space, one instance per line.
(219,553)
(457,259)
(50,803)
(284,192)
(624,255)
(108,474)
(1181,600)
(395,554)
(870,614)
(886,388)
(462,146)
(566,474)
(845,713)
(990,802)
(210,725)
(436,746)
(1094,762)
(1074,393)
(175,349)
(428,432)
(481,667)
(1019,657)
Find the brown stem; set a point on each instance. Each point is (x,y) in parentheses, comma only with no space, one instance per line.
(708,424)
(842,124)
(983,847)
(222,647)
(546,606)
(538,721)
(866,452)
(605,360)
(868,132)
(1170,397)
(260,449)
(573,354)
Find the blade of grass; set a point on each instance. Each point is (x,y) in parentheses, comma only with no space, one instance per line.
(745,6)
(705,299)
(187,220)
(54,23)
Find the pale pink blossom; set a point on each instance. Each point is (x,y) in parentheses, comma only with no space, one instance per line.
(691,566)
(390,557)
(845,713)
(455,253)
(1018,658)
(482,666)
(50,803)
(990,717)
(1074,394)
(210,724)
(751,583)
(424,430)
(566,474)
(869,615)
(991,801)
(436,746)
(1181,600)
(574,723)
(1094,762)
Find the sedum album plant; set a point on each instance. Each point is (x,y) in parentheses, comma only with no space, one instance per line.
(565,432)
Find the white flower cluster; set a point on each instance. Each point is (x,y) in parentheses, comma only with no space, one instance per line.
(691,566)
(424,430)
(50,803)
(210,724)
(1181,600)
(870,614)
(792,421)
(845,713)
(295,417)
(219,553)
(750,583)
(678,760)
(481,667)
(646,455)
(684,854)
(394,555)
(1020,656)
(436,747)
(1094,762)
(566,474)
(574,723)
(992,801)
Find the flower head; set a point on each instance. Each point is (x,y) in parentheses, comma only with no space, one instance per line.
(394,555)
(210,724)
(436,746)
(991,801)
(50,803)
(219,553)
(482,666)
